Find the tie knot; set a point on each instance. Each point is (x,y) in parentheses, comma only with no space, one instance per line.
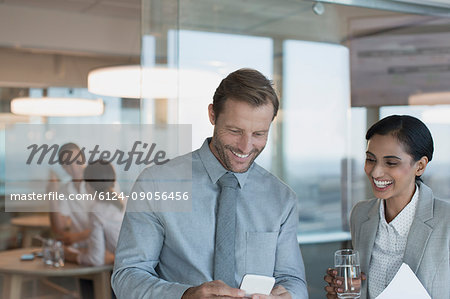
(228,180)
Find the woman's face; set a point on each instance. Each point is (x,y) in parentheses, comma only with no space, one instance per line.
(390,169)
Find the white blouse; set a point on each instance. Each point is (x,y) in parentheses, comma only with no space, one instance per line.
(389,247)
(105,220)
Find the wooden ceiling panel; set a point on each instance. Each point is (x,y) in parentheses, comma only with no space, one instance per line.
(116,9)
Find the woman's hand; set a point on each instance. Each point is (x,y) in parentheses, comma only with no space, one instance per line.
(334,284)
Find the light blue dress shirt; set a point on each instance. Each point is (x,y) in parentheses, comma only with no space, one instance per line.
(161,254)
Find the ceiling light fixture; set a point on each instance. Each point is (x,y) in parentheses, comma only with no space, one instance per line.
(57,106)
(135,81)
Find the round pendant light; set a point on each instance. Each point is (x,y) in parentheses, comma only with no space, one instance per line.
(57,106)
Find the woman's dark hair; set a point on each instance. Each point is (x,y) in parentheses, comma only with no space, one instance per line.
(100,175)
(412,133)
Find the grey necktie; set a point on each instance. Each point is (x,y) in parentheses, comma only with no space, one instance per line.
(224,256)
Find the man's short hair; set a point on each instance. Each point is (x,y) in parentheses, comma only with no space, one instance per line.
(246,85)
(65,149)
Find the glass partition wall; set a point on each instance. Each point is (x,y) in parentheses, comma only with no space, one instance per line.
(330,84)
(338,66)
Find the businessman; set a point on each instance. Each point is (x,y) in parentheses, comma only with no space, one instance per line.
(243,219)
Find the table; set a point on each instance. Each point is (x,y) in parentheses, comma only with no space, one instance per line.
(15,271)
(31,226)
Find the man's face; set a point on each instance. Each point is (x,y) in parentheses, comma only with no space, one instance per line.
(240,133)
(74,169)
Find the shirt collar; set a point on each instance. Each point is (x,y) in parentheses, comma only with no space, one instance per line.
(404,219)
(72,190)
(213,167)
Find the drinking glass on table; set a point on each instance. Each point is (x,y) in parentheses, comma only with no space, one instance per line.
(58,254)
(47,251)
(346,262)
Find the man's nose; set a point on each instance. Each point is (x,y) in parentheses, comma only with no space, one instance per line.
(245,144)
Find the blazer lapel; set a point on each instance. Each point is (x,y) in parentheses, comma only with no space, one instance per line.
(367,236)
(420,231)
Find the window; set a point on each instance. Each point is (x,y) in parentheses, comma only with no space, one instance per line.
(222,54)
(316,93)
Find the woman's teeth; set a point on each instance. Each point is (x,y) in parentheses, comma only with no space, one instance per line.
(382,184)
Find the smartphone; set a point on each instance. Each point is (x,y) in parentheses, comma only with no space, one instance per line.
(27,257)
(257,284)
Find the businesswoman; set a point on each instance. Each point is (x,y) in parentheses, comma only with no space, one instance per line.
(405,223)
(105,219)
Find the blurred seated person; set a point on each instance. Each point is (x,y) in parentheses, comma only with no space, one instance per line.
(105,219)
(70,220)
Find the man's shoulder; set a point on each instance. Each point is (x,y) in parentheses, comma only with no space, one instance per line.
(266,178)
(260,172)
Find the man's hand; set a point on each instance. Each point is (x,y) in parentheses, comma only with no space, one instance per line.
(213,289)
(68,238)
(334,284)
(71,254)
(278,292)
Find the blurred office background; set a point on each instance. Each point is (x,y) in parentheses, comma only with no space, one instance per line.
(338,66)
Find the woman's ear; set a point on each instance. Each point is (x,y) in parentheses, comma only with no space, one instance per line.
(421,165)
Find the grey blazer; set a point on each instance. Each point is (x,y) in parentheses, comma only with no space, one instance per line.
(428,245)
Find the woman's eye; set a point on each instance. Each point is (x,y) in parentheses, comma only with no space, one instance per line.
(391,163)
(370,160)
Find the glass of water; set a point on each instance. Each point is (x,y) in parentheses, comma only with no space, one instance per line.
(346,262)
(58,254)
(47,252)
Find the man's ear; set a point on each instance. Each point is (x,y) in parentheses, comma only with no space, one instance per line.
(212,116)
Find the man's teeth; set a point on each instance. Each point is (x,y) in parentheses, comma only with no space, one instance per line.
(382,184)
(240,155)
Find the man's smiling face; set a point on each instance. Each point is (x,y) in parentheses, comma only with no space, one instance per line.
(240,133)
